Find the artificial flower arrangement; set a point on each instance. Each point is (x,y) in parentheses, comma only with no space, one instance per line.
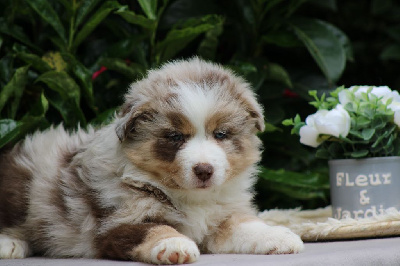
(355,122)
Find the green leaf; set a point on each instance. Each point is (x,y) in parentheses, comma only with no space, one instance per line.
(136,19)
(13,132)
(67,4)
(47,13)
(361,122)
(181,10)
(70,112)
(101,13)
(270,4)
(9,130)
(296,185)
(271,128)
(149,8)
(278,73)
(296,193)
(368,133)
(352,133)
(39,108)
(131,47)
(359,154)
(85,7)
(310,180)
(343,39)
(66,96)
(17,33)
(323,45)
(327,4)
(208,46)
(14,88)
(275,113)
(177,39)
(288,122)
(131,71)
(35,61)
(6,68)
(243,68)
(391,52)
(55,60)
(323,154)
(105,117)
(58,42)
(83,75)
(62,83)
(378,123)
(282,38)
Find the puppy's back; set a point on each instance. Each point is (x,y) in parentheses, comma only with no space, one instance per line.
(36,159)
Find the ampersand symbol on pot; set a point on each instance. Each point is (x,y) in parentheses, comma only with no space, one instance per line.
(364,199)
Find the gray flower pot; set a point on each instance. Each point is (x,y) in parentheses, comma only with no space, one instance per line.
(362,188)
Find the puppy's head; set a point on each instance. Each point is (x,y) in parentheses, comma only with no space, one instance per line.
(191,125)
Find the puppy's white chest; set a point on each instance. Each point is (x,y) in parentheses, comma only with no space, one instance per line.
(200,220)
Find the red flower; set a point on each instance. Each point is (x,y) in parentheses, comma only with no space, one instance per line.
(290,94)
(97,73)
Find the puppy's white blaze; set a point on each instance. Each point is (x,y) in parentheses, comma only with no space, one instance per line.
(200,150)
(196,103)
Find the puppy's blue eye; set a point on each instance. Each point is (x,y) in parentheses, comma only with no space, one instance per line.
(220,135)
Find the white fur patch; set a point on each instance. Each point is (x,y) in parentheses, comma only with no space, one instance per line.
(200,150)
(258,238)
(12,248)
(197,103)
(180,249)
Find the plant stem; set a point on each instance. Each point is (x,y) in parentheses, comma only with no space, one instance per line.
(72,27)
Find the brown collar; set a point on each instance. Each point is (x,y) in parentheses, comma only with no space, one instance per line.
(151,191)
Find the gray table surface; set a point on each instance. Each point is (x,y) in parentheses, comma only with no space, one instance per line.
(385,251)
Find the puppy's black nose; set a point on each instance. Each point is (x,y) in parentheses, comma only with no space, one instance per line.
(203,171)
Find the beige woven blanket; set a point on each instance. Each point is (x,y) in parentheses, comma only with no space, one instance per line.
(317,225)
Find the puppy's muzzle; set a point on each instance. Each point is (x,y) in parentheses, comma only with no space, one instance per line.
(203,171)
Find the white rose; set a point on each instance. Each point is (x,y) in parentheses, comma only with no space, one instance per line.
(344,97)
(383,92)
(308,133)
(335,122)
(397,117)
(394,106)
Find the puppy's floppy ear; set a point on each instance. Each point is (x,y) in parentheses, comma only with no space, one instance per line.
(255,111)
(130,114)
(258,118)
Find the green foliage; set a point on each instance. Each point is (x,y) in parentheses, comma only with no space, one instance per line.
(70,62)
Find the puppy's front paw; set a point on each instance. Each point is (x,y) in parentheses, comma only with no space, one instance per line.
(175,250)
(278,240)
(258,238)
(11,248)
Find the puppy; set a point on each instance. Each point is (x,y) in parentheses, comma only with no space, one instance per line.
(171,175)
